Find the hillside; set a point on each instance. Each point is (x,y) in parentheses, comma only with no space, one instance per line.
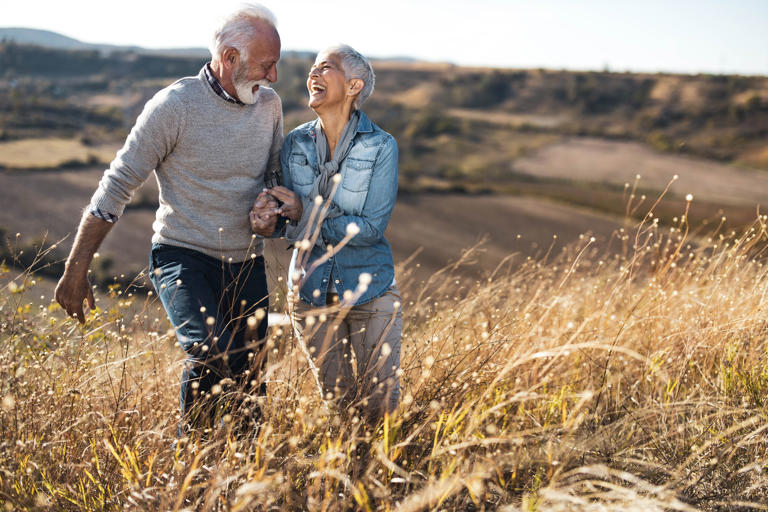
(37,37)
(720,117)
(56,41)
(50,203)
(603,348)
(577,140)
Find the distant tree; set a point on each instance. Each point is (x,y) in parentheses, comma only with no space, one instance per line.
(430,123)
(487,89)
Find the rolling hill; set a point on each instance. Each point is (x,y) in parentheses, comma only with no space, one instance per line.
(482,151)
(49,39)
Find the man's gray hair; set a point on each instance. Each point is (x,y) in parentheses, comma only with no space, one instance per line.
(237,29)
(355,66)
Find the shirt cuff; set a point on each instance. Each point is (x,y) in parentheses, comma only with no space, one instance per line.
(103,215)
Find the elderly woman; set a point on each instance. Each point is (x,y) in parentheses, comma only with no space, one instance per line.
(351,164)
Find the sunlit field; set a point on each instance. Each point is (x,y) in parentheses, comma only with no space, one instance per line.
(52,152)
(633,380)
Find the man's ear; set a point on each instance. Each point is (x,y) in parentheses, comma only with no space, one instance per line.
(230,57)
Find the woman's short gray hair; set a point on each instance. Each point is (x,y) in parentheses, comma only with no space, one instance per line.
(237,30)
(355,66)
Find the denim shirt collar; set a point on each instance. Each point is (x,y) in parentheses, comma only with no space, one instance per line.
(364,125)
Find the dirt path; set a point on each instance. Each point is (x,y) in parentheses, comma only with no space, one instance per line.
(438,225)
(598,160)
(443,225)
(509,119)
(50,204)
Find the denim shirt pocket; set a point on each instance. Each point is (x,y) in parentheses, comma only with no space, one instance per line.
(302,175)
(356,177)
(357,174)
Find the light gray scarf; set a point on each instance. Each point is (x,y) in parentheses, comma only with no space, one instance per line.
(330,166)
(323,184)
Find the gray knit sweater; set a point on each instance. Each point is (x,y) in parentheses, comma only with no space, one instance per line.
(209,158)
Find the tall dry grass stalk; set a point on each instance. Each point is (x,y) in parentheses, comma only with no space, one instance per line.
(586,380)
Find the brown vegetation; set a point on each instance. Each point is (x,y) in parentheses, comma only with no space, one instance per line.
(625,372)
(592,380)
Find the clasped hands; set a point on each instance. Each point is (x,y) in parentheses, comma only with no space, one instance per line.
(266,209)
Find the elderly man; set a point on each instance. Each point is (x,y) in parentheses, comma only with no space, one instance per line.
(213,141)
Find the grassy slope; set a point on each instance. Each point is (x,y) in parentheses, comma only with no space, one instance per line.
(592,381)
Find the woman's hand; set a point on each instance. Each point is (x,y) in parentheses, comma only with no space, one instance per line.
(264,214)
(292,207)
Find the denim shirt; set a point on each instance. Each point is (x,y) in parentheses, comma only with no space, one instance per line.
(366,195)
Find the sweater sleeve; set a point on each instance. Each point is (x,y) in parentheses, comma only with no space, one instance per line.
(152,138)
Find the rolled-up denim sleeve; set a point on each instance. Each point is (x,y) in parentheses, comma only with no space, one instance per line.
(379,203)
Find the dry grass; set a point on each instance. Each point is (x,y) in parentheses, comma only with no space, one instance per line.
(581,381)
(52,152)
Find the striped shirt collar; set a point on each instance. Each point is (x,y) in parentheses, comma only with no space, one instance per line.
(216,86)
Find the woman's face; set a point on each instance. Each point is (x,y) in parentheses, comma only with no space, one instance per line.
(326,82)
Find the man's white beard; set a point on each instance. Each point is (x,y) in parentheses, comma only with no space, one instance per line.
(244,88)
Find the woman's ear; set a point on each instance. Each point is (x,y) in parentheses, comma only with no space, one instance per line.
(354,87)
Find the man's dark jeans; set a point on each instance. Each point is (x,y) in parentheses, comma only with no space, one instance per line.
(208,302)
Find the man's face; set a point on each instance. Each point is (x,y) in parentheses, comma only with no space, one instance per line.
(258,67)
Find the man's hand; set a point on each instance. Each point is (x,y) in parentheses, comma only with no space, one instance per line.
(70,293)
(73,287)
(292,207)
(264,214)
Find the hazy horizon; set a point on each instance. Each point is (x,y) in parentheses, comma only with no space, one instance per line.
(684,37)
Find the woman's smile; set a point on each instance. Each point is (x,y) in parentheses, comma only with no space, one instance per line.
(325,82)
(316,88)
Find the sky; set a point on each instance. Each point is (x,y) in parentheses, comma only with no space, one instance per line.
(679,36)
